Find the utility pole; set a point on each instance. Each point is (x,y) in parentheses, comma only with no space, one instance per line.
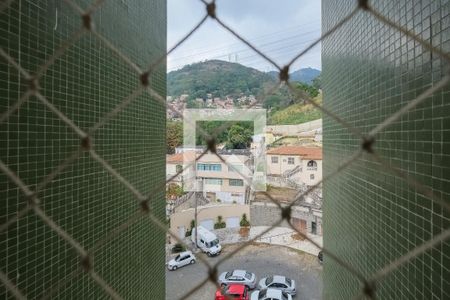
(195,223)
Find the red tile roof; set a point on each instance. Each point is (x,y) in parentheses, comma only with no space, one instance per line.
(188,156)
(304,152)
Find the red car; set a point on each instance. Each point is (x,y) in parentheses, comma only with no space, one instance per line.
(232,292)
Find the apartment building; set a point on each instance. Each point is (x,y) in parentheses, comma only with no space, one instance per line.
(303,164)
(219,181)
(84,83)
(372,216)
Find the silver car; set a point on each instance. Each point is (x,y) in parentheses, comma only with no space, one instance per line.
(238,277)
(270,294)
(278,282)
(182,259)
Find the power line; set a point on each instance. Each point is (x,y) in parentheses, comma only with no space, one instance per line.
(201,50)
(293,47)
(252,40)
(246,48)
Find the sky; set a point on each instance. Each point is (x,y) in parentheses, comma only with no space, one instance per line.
(279,28)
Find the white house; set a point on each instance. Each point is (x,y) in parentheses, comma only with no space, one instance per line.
(219,181)
(175,164)
(303,164)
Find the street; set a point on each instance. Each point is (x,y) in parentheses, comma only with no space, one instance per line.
(261,259)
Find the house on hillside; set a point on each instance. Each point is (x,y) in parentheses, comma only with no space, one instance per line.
(302,164)
(217,180)
(175,164)
(222,182)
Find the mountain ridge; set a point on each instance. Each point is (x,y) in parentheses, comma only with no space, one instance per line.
(305,75)
(222,78)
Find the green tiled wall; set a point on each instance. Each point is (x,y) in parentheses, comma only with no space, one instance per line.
(372,217)
(85,83)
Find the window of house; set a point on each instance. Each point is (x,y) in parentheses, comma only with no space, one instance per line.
(209,167)
(236,182)
(291,160)
(311,176)
(312,164)
(274,159)
(178,168)
(213,181)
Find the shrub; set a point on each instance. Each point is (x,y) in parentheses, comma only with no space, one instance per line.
(174,190)
(178,248)
(220,223)
(244,222)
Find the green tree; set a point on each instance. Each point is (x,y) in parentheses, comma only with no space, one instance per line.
(174,136)
(238,137)
(222,136)
(189,231)
(310,90)
(317,82)
(272,101)
(174,190)
(244,222)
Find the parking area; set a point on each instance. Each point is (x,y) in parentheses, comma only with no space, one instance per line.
(261,259)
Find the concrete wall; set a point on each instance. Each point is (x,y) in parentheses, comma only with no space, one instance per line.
(294,129)
(267,214)
(208,212)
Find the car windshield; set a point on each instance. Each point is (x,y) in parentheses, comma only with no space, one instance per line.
(288,281)
(228,275)
(248,275)
(262,294)
(177,258)
(213,243)
(226,291)
(269,280)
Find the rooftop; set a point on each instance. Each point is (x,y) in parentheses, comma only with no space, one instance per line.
(304,152)
(176,158)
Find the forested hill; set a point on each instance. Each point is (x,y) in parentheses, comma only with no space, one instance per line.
(306,75)
(220,78)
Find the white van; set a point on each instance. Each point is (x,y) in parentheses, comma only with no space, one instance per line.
(206,241)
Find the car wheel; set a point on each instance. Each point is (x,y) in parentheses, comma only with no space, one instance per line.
(209,254)
(223,285)
(192,261)
(174,268)
(247,287)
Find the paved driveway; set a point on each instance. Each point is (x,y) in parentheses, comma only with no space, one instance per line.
(261,259)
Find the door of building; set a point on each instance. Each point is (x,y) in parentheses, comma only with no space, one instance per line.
(313,227)
(299,224)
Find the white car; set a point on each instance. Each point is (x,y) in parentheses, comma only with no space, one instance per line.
(238,277)
(270,294)
(278,282)
(182,259)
